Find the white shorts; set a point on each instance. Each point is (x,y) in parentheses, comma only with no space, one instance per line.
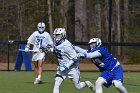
(73,73)
(38,56)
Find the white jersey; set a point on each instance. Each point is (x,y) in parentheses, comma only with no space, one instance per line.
(37,40)
(65,52)
(40,39)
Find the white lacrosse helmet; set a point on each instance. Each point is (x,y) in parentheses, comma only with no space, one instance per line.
(95,40)
(59,31)
(41,26)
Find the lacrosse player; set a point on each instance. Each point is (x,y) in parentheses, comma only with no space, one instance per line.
(112,72)
(39,38)
(67,61)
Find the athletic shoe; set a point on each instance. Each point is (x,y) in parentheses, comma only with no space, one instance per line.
(37,81)
(90,85)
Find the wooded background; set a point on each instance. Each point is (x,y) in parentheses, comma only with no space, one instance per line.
(83,20)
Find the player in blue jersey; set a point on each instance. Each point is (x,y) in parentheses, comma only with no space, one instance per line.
(67,61)
(111,70)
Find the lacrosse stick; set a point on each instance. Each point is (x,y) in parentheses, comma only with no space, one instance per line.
(29,50)
(46,50)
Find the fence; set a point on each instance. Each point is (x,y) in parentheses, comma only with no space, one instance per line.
(129,54)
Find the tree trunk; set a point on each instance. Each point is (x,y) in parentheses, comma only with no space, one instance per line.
(20,9)
(63,10)
(80,21)
(125,17)
(50,18)
(118,38)
(98,19)
(106,9)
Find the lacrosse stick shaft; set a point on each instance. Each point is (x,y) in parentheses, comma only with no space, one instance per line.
(29,50)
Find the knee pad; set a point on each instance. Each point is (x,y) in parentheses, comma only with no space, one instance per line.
(100,81)
(58,81)
(117,83)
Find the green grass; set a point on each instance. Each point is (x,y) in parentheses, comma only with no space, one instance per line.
(22,82)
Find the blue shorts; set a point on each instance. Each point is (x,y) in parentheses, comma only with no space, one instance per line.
(109,76)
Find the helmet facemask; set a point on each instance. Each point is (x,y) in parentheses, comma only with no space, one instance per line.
(41,26)
(59,35)
(97,41)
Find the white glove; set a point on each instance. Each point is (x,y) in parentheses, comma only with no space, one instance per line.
(27,48)
(63,68)
(81,55)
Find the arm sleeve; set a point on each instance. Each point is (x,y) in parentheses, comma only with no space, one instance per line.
(31,39)
(93,54)
(50,41)
(79,50)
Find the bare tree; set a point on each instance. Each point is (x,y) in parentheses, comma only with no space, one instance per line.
(64,10)
(20,10)
(98,19)
(80,20)
(106,13)
(50,18)
(118,38)
(125,17)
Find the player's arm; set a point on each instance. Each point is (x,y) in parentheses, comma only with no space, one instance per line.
(30,40)
(79,49)
(94,54)
(72,55)
(69,64)
(49,47)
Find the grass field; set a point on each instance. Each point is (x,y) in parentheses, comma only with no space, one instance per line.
(22,82)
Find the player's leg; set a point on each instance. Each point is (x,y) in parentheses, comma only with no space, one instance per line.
(118,78)
(40,58)
(36,72)
(90,85)
(119,86)
(75,76)
(99,82)
(40,62)
(58,80)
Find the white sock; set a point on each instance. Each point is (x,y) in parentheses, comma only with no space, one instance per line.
(122,89)
(99,91)
(57,84)
(39,77)
(98,88)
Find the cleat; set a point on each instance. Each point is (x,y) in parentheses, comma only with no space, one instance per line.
(37,81)
(90,85)
(40,82)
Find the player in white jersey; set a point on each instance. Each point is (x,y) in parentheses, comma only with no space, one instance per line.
(67,61)
(38,39)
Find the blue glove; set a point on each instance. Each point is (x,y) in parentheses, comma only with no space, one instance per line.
(27,48)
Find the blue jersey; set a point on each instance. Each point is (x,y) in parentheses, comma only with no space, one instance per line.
(106,62)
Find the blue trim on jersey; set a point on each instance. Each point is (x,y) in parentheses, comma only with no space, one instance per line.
(75,59)
(59,42)
(40,32)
